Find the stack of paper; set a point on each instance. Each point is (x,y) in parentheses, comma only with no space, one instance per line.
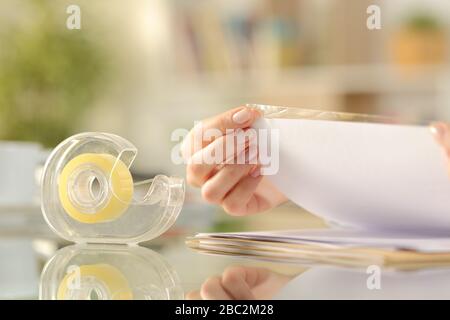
(329,246)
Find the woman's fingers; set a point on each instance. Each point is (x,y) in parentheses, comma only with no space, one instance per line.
(241,199)
(241,283)
(216,188)
(193,295)
(235,283)
(212,289)
(226,149)
(199,167)
(241,117)
(208,130)
(232,285)
(441,132)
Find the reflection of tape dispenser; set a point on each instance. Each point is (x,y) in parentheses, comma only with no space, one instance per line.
(88,193)
(108,272)
(94,282)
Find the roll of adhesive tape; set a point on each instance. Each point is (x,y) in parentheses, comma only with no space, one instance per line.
(112,196)
(106,281)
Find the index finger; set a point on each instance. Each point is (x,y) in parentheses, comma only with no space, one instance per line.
(210,129)
(240,117)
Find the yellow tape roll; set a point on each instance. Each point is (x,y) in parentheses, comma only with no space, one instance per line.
(103,277)
(118,188)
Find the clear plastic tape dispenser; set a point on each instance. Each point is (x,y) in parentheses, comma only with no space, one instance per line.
(89,195)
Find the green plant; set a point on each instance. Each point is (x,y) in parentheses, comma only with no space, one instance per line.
(422,21)
(48,76)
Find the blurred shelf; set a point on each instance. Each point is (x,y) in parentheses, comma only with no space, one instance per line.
(338,80)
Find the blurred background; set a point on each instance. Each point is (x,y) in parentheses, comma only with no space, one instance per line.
(143,68)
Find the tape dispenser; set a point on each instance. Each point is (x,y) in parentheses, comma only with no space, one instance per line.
(89,195)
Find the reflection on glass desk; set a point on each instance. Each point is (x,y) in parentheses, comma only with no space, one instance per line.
(33,258)
(339,283)
(108,272)
(173,271)
(325,283)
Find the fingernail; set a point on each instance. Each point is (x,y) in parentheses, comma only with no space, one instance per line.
(255,173)
(438,130)
(242,116)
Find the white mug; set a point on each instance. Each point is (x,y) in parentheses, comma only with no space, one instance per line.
(18,164)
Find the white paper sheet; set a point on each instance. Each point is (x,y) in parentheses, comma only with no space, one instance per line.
(367,175)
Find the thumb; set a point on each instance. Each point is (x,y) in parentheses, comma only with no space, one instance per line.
(441,133)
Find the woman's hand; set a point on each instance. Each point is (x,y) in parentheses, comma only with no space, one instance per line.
(241,283)
(237,187)
(441,132)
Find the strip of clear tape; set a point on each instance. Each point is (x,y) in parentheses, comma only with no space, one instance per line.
(281,112)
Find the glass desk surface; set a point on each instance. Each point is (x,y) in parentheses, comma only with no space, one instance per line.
(36,264)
